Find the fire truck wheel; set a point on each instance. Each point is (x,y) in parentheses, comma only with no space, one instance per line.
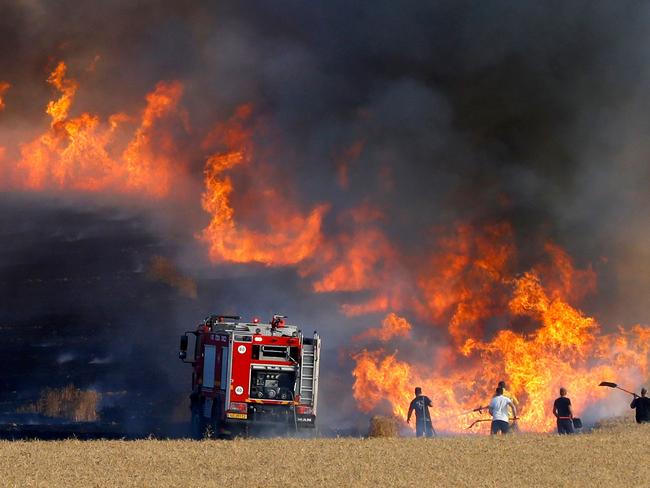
(216,420)
(216,428)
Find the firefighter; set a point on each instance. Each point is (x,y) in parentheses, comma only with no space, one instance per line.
(499,410)
(642,405)
(421,404)
(564,413)
(513,399)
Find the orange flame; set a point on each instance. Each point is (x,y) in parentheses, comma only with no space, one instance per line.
(82,153)
(147,168)
(4,86)
(392,326)
(363,255)
(564,347)
(290,236)
(524,328)
(380,378)
(380,303)
(469,277)
(58,109)
(359,259)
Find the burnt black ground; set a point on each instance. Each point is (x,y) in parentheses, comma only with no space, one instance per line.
(78,308)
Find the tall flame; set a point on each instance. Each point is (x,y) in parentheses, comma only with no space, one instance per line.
(147,168)
(359,258)
(392,326)
(563,347)
(58,109)
(83,153)
(289,237)
(466,284)
(457,319)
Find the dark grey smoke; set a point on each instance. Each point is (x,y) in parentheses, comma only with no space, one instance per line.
(462,106)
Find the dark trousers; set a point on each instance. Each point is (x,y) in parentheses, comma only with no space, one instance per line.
(423,427)
(565,426)
(499,426)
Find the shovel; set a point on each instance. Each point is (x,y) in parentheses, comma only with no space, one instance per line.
(614,385)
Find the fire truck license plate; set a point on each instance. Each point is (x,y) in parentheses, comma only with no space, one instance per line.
(237,416)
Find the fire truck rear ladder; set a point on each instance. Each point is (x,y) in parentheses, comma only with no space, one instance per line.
(309,372)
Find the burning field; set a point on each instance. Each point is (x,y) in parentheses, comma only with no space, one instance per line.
(459,200)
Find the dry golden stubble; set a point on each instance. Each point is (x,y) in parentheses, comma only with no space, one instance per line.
(608,457)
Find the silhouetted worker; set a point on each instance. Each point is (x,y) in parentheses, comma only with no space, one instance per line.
(499,410)
(421,406)
(642,405)
(564,413)
(513,398)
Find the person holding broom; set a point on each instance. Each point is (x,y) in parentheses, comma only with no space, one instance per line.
(420,404)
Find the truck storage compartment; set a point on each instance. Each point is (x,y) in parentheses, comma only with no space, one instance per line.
(272,384)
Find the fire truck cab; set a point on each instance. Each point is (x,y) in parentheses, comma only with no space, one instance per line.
(248,374)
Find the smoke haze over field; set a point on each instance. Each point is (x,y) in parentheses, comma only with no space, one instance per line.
(320,159)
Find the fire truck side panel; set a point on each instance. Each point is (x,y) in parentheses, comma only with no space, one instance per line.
(209,365)
(241,370)
(208,369)
(224,367)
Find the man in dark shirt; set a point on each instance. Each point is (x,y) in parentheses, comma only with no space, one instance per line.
(564,414)
(642,405)
(421,406)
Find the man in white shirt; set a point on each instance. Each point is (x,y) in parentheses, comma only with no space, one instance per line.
(499,410)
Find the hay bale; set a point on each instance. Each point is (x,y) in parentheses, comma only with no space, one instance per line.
(383,427)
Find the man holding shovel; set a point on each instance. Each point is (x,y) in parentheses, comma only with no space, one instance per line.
(642,405)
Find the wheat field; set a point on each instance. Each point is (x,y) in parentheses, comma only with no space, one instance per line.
(615,455)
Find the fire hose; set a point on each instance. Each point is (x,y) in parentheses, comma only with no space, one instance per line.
(486,420)
(479,410)
(462,414)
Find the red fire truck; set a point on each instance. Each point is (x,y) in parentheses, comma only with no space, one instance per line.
(248,375)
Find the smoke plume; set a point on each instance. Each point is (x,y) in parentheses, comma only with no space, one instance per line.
(352,166)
